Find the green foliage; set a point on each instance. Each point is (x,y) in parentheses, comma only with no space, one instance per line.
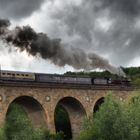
(2,134)
(136,81)
(62,122)
(131,71)
(114,121)
(58,136)
(19,127)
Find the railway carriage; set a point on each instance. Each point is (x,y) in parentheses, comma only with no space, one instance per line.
(50,78)
(16,75)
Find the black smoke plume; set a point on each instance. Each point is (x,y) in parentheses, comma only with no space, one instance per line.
(39,44)
(4,23)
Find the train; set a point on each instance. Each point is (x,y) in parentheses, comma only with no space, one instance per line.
(60,79)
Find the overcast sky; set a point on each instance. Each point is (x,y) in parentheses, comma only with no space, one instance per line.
(108,28)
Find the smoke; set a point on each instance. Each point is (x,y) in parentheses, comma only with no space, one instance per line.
(39,44)
(3,25)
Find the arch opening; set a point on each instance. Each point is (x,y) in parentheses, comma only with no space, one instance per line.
(98,104)
(62,121)
(73,112)
(33,109)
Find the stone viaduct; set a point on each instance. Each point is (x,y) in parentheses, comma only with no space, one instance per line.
(40,102)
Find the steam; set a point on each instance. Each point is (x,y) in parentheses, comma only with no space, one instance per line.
(39,44)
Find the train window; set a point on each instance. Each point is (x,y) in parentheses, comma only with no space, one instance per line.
(3,73)
(8,73)
(17,74)
(26,75)
(22,74)
(13,74)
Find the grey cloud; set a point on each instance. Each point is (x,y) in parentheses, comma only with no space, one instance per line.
(18,9)
(124,14)
(129,8)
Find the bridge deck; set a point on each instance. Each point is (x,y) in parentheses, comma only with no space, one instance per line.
(67,86)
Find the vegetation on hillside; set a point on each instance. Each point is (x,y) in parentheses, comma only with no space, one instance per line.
(134,74)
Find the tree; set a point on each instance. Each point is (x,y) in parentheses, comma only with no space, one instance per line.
(2,134)
(113,121)
(19,127)
(62,122)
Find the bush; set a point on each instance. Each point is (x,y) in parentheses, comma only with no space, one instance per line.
(2,134)
(19,127)
(113,121)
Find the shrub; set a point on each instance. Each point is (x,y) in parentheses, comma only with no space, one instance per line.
(113,121)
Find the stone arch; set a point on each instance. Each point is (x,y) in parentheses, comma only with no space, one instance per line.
(98,104)
(33,108)
(75,111)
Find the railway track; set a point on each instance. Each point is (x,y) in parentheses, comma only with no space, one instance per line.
(62,85)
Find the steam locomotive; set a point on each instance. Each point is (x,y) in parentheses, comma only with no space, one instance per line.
(60,79)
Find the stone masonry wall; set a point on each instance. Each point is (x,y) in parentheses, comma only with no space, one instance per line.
(49,98)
